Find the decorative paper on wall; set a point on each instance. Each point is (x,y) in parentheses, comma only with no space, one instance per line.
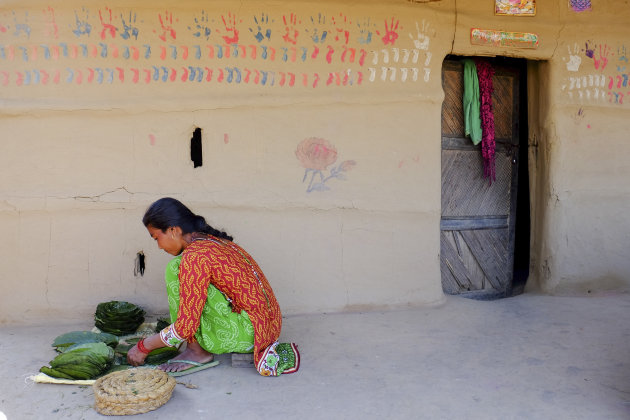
(580,5)
(503,39)
(515,7)
(317,155)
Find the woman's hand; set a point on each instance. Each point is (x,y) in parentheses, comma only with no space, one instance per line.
(135,357)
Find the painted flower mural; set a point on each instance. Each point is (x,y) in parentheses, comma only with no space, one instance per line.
(316,155)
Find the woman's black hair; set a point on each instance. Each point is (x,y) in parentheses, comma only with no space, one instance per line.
(168,212)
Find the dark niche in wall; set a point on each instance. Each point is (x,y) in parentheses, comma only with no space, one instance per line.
(196,154)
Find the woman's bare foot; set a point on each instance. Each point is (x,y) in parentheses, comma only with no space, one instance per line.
(193,352)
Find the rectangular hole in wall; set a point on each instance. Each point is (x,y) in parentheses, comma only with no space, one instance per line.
(196,154)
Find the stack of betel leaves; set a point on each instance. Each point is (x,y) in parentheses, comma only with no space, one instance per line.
(64,341)
(155,357)
(88,354)
(84,355)
(117,317)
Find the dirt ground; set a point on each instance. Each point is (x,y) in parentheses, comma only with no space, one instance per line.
(527,357)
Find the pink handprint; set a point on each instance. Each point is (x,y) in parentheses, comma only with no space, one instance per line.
(603,57)
(107,26)
(166,23)
(290,27)
(391,32)
(53,29)
(341,28)
(230,26)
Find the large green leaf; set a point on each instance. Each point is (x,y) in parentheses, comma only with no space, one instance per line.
(77,337)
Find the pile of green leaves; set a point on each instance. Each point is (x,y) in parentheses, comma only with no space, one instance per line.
(119,318)
(66,340)
(162,323)
(81,361)
(155,357)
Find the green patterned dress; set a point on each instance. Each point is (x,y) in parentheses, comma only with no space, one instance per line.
(221,330)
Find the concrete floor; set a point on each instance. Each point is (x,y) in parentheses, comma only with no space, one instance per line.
(528,357)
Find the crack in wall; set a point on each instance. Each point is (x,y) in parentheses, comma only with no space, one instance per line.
(455,31)
(553,54)
(96,198)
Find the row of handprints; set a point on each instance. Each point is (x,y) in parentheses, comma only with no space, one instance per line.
(229,28)
(598,72)
(223,49)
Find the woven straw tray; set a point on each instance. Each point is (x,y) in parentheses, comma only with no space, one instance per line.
(132,391)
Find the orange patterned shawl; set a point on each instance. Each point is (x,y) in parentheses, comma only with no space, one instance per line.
(235,273)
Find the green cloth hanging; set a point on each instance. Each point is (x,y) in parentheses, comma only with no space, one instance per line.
(472,104)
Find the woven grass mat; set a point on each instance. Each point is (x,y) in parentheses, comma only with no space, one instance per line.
(132,391)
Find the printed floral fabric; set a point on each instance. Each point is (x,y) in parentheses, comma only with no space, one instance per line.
(170,337)
(220,330)
(488,146)
(279,358)
(237,277)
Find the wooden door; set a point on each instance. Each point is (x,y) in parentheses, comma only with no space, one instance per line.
(478,219)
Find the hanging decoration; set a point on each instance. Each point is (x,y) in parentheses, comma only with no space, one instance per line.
(484,75)
(471,102)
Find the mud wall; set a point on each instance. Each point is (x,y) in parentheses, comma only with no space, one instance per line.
(320,126)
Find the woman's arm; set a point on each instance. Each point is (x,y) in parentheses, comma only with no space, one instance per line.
(135,356)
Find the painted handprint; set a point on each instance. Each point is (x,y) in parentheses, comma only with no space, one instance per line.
(421,39)
(21,26)
(82,26)
(365,31)
(107,23)
(166,24)
(574,61)
(316,155)
(290,25)
(129,28)
(320,31)
(200,27)
(602,61)
(52,30)
(622,58)
(391,32)
(341,24)
(262,29)
(590,52)
(230,28)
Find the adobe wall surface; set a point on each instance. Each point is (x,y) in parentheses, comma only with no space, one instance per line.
(99,102)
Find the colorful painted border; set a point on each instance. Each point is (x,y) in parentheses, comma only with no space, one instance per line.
(515,7)
(503,39)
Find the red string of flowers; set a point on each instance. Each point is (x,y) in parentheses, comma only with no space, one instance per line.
(488,146)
